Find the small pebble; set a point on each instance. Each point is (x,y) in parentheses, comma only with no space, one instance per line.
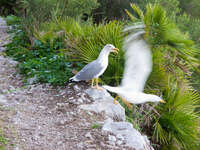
(112,138)
(119,142)
(88,135)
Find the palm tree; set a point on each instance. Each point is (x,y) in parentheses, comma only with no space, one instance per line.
(175,123)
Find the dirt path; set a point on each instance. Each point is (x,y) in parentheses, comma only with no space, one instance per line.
(40,117)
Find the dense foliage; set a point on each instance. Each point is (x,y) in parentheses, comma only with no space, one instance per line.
(43,62)
(175,126)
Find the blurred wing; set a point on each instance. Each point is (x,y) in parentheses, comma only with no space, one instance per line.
(138,63)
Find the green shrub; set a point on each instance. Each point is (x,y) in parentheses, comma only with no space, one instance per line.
(12,20)
(54,69)
(191,25)
(85,41)
(3,141)
(175,123)
(44,61)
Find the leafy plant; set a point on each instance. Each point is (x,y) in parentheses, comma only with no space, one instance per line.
(12,20)
(175,123)
(3,141)
(85,41)
(44,62)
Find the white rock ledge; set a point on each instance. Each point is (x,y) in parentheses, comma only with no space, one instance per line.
(103,102)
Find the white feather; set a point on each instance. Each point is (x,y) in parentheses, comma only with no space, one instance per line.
(138,66)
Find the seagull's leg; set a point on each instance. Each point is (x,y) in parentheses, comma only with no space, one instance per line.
(97,86)
(115,100)
(126,102)
(92,86)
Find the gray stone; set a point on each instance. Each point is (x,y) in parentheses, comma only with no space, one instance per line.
(98,95)
(62,122)
(2,49)
(3,100)
(80,101)
(111,143)
(103,102)
(88,135)
(60,143)
(77,88)
(16,148)
(132,138)
(119,142)
(119,136)
(112,138)
(42,107)
(32,80)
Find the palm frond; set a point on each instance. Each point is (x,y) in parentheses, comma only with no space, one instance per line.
(137,10)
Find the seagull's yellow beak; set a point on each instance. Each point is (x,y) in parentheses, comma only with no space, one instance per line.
(115,50)
(162,101)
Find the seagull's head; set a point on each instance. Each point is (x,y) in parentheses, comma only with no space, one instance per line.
(111,48)
(155,98)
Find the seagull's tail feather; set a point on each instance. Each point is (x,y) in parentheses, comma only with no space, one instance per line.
(111,89)
(71,80)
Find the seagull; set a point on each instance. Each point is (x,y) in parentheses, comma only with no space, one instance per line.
(138,66)
(96,68)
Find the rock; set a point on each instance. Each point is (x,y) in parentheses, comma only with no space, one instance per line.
(119,136)
(60,143)
(42,107)
(80,145)
(80,101)
(16,148)
(97,95)
(2,49)
(119,142)
(111,143)
(32,80)
(77,88)
(62,122)
(3,100)
(88,135)
(62,104)
(132,138)
(103,102)
(112,138)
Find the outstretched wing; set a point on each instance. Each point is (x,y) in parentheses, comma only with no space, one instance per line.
(138,63)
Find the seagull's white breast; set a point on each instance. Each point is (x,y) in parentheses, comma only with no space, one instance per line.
(104,65)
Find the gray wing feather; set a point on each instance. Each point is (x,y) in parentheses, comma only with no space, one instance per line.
(89,71)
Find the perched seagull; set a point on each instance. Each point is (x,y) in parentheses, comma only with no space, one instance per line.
(96,68)
(138,66)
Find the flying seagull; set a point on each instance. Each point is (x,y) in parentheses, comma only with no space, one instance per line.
(138,66)
(96,68)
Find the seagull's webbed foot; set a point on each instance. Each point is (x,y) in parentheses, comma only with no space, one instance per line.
(97,86)
(127,103)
